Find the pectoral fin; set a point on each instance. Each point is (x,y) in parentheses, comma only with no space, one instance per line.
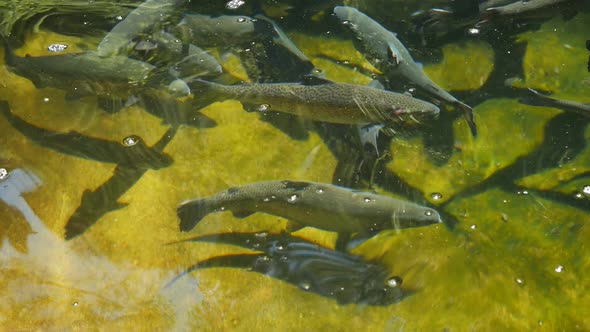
(369,134)
(393,54)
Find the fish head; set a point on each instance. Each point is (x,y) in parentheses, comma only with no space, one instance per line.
(413,215)
(413,110)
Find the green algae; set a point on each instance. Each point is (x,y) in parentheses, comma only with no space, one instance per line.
(497,270)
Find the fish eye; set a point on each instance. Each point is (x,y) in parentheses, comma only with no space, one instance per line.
(394,281)
(428,213)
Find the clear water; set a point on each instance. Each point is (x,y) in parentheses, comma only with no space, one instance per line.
(514,257)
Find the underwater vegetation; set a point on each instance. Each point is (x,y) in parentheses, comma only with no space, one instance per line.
(437,156)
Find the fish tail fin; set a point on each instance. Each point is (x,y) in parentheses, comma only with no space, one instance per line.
(468,114)
(191,212)
(535,98)
(205,92)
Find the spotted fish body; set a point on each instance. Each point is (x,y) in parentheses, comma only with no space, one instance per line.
(327,101)
(318,205)
(386,52)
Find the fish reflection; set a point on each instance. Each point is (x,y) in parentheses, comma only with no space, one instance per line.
(104,199)
(131,152)
(346,278)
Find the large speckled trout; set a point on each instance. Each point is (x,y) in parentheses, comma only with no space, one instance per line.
(318,205)
(322,100)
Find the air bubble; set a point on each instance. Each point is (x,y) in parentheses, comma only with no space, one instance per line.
(473,31)
(320,191)
(234,4)
(519,281)
(394,281)
(436,196)
(305,285)
(75,304)
(264,107)
(578,195)
(586,190)
(46,99)
(559,269)
(317,71)
(293,198)
(367,200)
(261,234)
(3,173)
(474,226)
(241,20)
(57,47)
(266,199)
(131,140)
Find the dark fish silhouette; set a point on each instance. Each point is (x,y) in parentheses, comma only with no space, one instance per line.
(333,274)
(130,152)
(104,199)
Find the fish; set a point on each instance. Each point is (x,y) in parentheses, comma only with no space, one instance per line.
(141,19)
(333,274)
(82,74)
(538,99)
(323,100)
(524,9)
(131,151)
(104,199)
(386,52)
(214,31)
(319,205)
(197,62)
